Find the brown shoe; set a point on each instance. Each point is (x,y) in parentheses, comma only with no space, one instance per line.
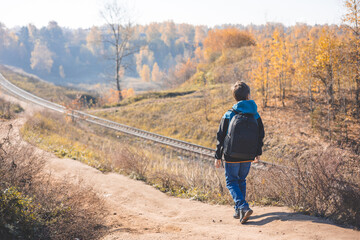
(245,215)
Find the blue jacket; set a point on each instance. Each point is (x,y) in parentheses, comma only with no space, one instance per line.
(246,107)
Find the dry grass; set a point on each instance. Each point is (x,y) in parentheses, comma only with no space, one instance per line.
(128,162)
(53,133)
(316,186)
(187,177)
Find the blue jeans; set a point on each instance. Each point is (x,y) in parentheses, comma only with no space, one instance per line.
(235,174)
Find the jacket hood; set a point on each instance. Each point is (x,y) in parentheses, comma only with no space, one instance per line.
(247,106)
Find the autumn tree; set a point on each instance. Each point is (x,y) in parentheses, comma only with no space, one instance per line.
(304,63)
(145,73)
(156,75)
(94,41)
(326,63)
(41,57)
(152,32)
(187,32)
(281,63)
(261,72)
(182,72)
(27,45)
(220,39)
(168,33)
(54,37)
(200,34)
(144,56)
(352,19)
(121,31)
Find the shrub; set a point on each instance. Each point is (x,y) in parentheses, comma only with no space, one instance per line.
(318,185)
(33,205)
(18,214)
(323,187)
(8,110)
(131,163)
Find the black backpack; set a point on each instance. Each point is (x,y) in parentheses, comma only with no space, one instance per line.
(241,140)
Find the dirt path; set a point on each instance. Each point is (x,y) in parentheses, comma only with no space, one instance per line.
(138,211)
(143,212)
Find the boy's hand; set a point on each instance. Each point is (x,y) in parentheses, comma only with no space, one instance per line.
(217,163)
(257,159)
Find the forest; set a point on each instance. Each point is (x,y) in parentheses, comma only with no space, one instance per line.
(64,55)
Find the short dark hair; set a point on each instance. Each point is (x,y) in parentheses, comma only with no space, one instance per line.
(240,91)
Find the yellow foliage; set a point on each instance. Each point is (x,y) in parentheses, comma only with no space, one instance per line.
(41,57)
(145,73)
(183,71)
(220,39)
(112,96)
(353,12)
(156,74)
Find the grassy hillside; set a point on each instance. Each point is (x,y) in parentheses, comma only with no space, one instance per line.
(191,117)
(43,89)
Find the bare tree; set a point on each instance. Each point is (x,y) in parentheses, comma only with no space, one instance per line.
(119,36)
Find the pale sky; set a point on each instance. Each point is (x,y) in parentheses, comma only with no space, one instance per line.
(85,13)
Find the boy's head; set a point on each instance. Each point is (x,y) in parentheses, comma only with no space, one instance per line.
(241,91)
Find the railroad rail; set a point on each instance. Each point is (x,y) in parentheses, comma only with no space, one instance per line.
(194,149)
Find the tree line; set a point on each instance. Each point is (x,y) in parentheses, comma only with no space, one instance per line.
(65,55)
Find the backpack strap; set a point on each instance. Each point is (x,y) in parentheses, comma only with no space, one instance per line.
(234,111)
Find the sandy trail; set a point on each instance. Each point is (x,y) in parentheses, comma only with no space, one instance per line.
(138,211)
(143,212)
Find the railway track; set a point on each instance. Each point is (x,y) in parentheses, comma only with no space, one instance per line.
(194,149)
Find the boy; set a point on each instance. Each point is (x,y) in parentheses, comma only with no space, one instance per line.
(241,144)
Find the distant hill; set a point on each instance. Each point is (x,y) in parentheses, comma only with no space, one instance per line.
(40,87)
